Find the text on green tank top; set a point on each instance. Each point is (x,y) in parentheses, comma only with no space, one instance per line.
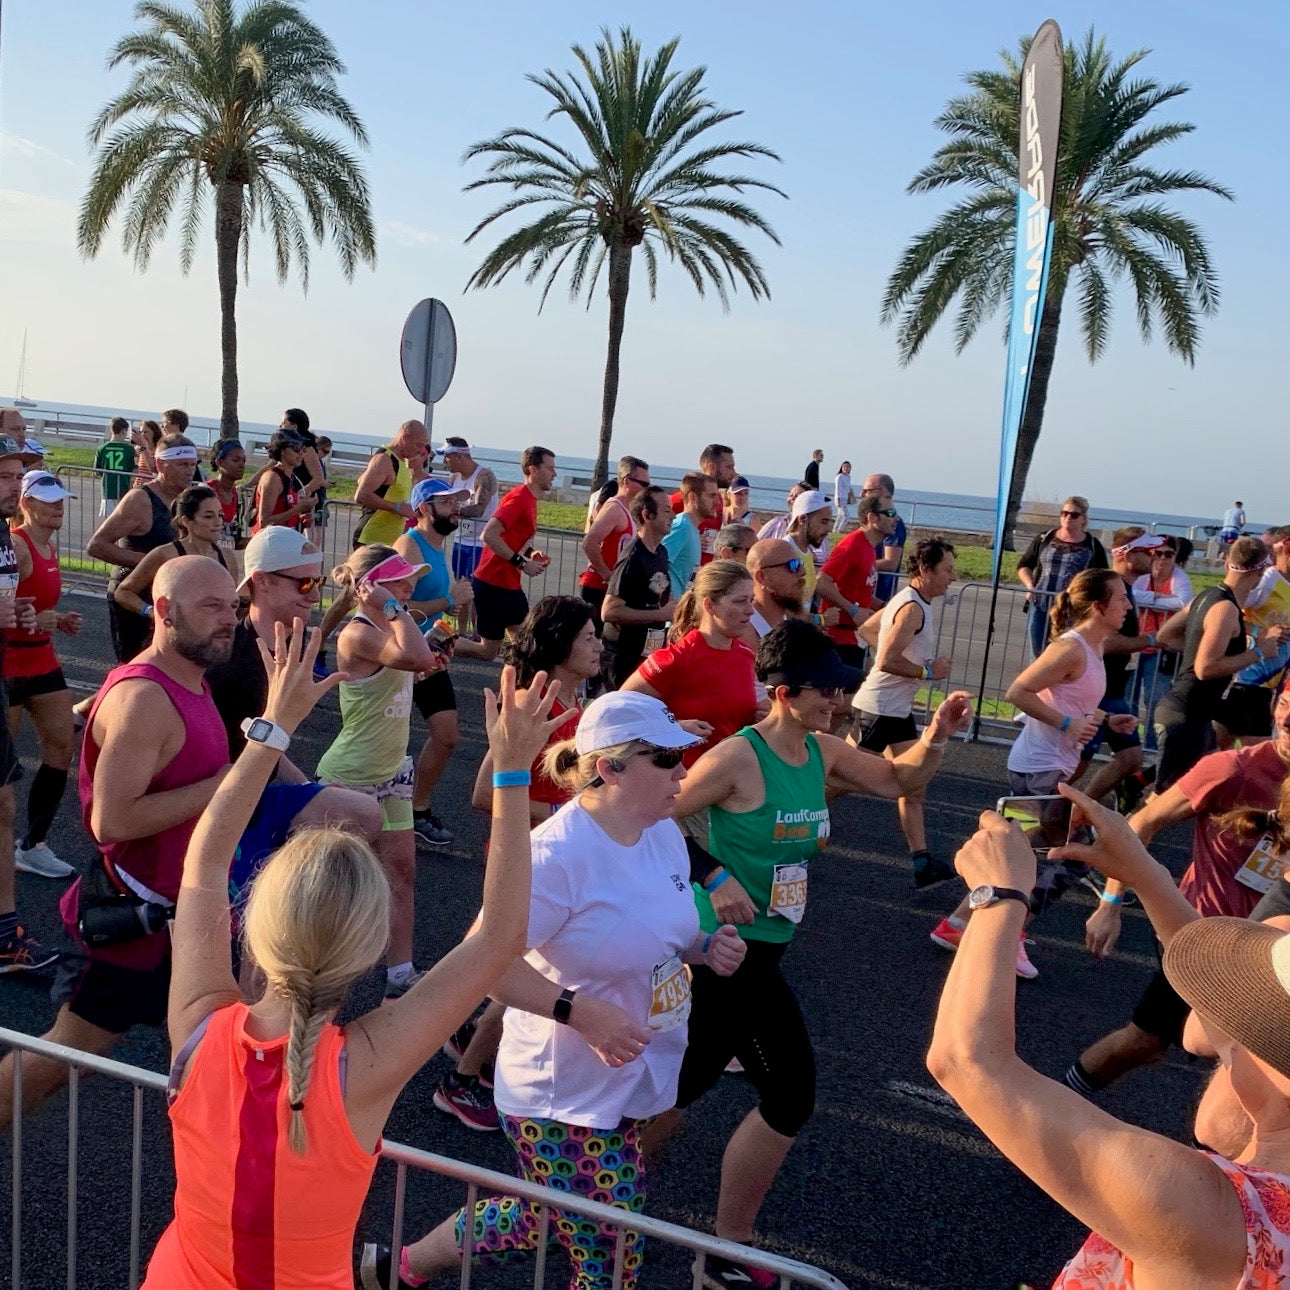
(768,850)
(376,719)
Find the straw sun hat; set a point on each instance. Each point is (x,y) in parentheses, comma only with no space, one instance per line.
(1237,974)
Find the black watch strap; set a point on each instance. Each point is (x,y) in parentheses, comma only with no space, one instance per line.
(1002,893)
(563,1007)
(518,560)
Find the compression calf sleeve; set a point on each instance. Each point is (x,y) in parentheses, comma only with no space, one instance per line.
(43,801)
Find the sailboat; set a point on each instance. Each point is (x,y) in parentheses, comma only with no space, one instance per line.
(22,400)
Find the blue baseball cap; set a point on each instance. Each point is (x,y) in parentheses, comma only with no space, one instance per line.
(428,489)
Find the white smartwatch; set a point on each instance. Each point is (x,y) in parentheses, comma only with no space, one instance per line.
(259,730)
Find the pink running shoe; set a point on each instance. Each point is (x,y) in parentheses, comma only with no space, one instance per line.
(1025,968)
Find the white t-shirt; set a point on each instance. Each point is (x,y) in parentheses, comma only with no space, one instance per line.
(613,921)
(884,694)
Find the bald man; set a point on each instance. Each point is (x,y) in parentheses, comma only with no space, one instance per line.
(385,486)
(779,583)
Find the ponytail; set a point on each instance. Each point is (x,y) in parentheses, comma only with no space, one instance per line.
(686,617)
(1087,592)
(573,771)
(307,1020)
(1250,823)
(712,581)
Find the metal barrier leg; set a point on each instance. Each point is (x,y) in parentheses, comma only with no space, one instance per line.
(136,1186)
(15,1227)
(73,1144)
(468,1234)
(544,1236)
(396,1237)
(620,1255)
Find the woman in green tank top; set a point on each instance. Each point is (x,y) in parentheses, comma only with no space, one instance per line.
(764,790)
(380,649)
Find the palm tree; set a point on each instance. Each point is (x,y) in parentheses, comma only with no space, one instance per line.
(228,101)
(644,177)
(1109,225)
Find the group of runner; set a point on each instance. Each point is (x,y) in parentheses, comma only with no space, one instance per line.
(675,817)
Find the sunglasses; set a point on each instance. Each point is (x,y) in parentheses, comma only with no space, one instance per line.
(305,586)
(1072,515)
(891,512)
(663,758)
(1163,555)
(831,692)
(632,479)
(795,565)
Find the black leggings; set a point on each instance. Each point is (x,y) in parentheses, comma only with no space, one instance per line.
(752,1015)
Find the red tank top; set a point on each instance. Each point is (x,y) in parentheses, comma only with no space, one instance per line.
(612,548)
(287,498)
(155,862)
(251,1214)
(32,653)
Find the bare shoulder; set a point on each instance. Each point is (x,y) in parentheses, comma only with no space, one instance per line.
(137,709)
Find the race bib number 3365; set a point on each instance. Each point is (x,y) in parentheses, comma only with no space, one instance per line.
(788,892)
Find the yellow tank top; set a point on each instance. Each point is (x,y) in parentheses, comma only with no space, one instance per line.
(384,526)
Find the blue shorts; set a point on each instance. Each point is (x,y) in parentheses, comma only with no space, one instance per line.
(1118,743)
(1228,536)
(267,831)
(465,556)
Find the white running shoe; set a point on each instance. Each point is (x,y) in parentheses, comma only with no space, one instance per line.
(41,861)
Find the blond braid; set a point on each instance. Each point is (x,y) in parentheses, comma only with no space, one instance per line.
(307,1021)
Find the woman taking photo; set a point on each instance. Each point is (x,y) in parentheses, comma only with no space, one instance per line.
(199,523)
(593,1042)
(278,498)
(277,1081)
(1059,693)
(1163,1215)
(764,790)
(705,673)
(33,678)
(379,650)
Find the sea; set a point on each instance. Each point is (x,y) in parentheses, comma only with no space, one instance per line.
(921,508)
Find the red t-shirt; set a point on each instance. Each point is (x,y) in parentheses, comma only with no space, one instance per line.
(1217,783)
(517,514)
(612,548)
(850,565)
(544,788)
(708,529)
(713,685)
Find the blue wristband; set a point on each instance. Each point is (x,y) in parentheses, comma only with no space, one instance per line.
(1065,726)
(707,940)
(1110,898)
(512,778)
(710,888)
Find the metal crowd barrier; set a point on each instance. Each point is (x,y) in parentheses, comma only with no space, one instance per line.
(478,1181)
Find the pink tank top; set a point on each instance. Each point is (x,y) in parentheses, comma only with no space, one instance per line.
(155,862)
(1265,1203)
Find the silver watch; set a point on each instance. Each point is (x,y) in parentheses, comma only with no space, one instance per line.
(984,896)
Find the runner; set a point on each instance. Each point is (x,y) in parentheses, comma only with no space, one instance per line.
(500,602)
(850,576)
(705,673)
(145,438)
(1162,1213)
(883,487)
(610,534)
(153,755)
(593,1043)
(115,463)
(717,462)
(200,522)
(278,499)
(735,507)
(139,523)
(638,602)
(276,1081)
(733,542)
(764,793)
(33,678)
(883,708)
(379,649)
(386,483)
(1157,594)
(809,526)
(1059,693)
(779,583)
(467,547)
(697,517)
(228,463)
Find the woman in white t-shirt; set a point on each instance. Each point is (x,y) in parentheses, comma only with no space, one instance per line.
(596,1022)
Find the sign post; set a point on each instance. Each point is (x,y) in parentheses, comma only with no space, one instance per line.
(428,354)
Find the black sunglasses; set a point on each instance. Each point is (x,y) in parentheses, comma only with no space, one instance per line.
(305,586)
(663,758)
(795,565)
(891,512)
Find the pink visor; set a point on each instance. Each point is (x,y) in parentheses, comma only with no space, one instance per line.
(393,569)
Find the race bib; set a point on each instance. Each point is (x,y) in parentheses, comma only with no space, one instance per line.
(1262,870)
(788,892)
(654,639)
(708,541)
(670,1005)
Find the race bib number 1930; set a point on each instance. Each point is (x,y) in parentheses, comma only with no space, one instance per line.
(788,892)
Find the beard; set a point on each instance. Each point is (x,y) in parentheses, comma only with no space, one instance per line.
(444,527)
(786,603)
(205,651)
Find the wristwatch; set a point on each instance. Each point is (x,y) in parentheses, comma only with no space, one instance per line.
(563,1006)
(260,730)
(984,896)
(518,560)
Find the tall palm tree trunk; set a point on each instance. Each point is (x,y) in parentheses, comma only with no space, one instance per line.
(620,272)
(228,237)
(1033,418)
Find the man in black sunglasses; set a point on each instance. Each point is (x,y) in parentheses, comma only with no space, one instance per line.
(779,583)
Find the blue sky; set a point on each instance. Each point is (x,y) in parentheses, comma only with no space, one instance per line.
(847,96)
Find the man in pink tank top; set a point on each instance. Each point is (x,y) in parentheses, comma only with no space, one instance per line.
(154,753)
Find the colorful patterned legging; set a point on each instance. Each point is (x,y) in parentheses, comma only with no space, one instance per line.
(599,1164)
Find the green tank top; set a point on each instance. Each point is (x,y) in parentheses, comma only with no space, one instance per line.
(376,722)
(770,849)
(384,527)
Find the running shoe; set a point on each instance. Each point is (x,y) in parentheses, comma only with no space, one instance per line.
(397,989)
(930,869)
(23,953)
(466,1098)
(429,829)
(719,1273)
(946,935)
(375,1268)
(41,861)
(456,1044)
(1025,968)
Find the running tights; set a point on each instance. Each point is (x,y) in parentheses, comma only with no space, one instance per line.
(600,1164)
(43,801)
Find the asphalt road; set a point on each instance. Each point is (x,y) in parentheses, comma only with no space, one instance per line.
(888,1186)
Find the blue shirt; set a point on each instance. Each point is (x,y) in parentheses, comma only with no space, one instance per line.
(886,587)
(434,583)
(684,551)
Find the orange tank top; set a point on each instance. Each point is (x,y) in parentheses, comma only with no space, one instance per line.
(250,1214)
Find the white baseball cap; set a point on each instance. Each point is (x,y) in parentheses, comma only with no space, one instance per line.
(43,486)
(809,502)
(276,548)
(625,715)
(36,447)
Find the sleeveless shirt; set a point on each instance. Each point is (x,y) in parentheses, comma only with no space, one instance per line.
(287,498)
(1041,747)
(32,653)
(884,693)
(161,532)
(1194,699)
(384,526)
(251,1214)
(612,548)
